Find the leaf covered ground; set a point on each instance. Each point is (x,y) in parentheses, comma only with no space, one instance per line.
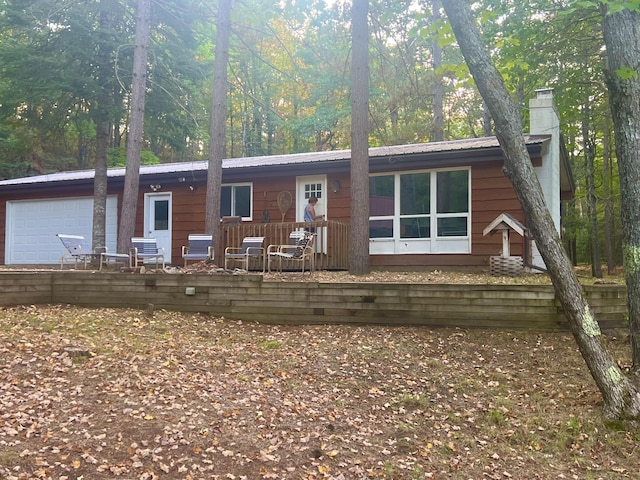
(108,393)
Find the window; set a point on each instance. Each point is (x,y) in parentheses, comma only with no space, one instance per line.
(236,201)
(415,205)
(313,190)
(161,215)
(420,212)
(453,203)
(381,205)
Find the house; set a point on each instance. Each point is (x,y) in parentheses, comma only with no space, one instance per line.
(429,202)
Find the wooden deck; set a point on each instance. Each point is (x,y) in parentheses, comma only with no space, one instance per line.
(332,240)
(248,297)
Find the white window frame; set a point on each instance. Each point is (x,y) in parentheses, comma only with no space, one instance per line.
(434,244)
(233,187)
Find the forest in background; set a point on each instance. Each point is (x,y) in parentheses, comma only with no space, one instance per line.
(66,68)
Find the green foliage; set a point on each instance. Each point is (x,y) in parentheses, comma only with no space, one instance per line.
(67,65)
(616,6)
(14,148)
(117,157)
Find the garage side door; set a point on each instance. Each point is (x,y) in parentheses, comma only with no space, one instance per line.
(32,226)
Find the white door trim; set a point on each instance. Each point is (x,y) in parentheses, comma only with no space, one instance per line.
(302,200)
(319,183)
(163,237)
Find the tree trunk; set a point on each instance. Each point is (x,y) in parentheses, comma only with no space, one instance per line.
(569,236)
(359,237)
(100,112)
(592,210)
(487,127)
(136,125)
(218,123)
(100,186)
(609,225)
(438,89)
(621,396)
(622,38)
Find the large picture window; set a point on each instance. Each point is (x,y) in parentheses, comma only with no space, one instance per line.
(236,201)
(420,212)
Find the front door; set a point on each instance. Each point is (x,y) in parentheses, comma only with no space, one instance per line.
(313,186)
(157,220)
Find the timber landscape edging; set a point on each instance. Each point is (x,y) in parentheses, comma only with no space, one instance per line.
(249,297)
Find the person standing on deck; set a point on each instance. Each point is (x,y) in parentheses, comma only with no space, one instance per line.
(310,211)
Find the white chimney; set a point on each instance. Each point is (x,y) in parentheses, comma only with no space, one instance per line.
(544,120)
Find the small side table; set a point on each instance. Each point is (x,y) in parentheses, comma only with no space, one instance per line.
(106,257)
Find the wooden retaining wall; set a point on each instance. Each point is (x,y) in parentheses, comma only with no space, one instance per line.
(250,298)
(25,288)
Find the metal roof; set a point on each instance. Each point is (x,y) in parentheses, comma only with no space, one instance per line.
(276,160)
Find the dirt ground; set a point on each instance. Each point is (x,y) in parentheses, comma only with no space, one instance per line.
(433,276)
(437,276)
(107,393)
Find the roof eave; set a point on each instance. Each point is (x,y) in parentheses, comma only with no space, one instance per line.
(421,155)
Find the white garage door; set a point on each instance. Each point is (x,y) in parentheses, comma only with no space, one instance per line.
(32,226)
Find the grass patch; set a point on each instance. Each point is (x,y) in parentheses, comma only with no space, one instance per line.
(270,344)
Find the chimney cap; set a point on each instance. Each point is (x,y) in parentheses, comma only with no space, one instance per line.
(545,92)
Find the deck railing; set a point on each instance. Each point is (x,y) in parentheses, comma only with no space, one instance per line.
(332,239)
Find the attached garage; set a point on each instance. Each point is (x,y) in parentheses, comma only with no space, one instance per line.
(32,225)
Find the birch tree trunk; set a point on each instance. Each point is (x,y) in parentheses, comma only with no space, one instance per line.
(129,207)
(218,124)
(620,393)
(359,238)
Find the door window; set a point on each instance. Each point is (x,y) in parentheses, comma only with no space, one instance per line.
(161,215)
(312,190)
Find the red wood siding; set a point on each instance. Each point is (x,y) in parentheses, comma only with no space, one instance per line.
(492,195)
